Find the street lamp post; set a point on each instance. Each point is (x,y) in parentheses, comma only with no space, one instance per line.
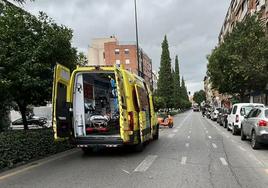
(137,38)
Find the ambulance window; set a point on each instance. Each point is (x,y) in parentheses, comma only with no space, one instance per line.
(135,101)
(143,98)
(61,100)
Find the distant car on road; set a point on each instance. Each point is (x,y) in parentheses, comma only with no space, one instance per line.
(238,112)
(255,126)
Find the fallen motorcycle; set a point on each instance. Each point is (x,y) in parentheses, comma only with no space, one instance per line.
(165,121)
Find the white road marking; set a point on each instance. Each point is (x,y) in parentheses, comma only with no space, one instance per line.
(175,131)
(190,132)
(214,145)
(183,160)
(171,135)
(187,145)
(223,161)
(146,163)
(209,137)
(188,137)
(126,171)
(39,163)
(243,149)
(206,131)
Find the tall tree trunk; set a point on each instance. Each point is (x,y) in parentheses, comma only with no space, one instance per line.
(22,109)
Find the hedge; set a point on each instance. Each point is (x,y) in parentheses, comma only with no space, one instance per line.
(21,146)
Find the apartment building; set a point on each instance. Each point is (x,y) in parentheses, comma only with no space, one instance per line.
(237,12)
(109,51)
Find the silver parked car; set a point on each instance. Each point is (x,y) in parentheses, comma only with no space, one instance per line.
(255,126)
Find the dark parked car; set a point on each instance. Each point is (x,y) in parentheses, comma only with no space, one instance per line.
(222,119)
(33,120)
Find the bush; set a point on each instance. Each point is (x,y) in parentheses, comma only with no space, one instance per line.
(22,146)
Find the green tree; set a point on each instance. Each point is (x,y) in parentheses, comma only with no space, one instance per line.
(30,48)
(199,96)
(177,87)
(240,63)
(81,59)
(185,103)
(165,81)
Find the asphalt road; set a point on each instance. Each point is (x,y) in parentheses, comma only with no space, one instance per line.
(196,152)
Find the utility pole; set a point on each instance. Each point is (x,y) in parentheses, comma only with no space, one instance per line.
(137,39)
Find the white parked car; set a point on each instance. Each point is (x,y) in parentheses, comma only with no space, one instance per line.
(238,112)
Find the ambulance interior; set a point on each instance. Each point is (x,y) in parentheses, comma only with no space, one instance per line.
(96,110)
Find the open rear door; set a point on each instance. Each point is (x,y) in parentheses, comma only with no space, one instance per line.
(61,120)
(144,111)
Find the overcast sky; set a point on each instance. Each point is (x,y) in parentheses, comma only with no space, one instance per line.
(192,27)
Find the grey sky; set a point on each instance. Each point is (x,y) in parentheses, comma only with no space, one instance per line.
(192,27)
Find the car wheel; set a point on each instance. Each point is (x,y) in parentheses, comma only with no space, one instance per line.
(170,126)
(254,142)
(234,130)
(243,136)
(228,129)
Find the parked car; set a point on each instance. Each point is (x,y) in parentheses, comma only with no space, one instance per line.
(238,112)
(33,120)
(214,114)
(224,115)
(255,127)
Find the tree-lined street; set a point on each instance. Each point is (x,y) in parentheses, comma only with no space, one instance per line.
(195,153)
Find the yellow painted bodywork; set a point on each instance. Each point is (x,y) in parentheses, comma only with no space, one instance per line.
(125,86)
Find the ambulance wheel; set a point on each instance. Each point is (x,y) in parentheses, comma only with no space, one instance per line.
(87,150)
(139,147)
(156,136)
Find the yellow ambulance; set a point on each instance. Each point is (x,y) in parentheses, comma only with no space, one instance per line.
(105,106)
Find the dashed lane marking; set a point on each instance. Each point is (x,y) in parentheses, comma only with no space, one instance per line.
(190,132)
(214,145)
(206,131)
(209,137)
(146,163)
(183,160)
(171,135)
(223,161)
(188,137)
(175,131)
(187,145)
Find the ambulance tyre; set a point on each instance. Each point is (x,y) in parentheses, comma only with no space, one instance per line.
(139,147)
(156,136)
(87,150)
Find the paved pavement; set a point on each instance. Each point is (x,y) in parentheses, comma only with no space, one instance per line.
(196,152)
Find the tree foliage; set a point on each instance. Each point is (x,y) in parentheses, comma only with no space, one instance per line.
(165,81)
(239,64)
(199,96)
(177,85)
(30,48)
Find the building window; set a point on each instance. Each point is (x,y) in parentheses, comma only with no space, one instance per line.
(117,51)
(127,61)
(117,62)
(126,51)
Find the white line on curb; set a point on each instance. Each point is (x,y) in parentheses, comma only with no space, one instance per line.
(214,145)
(146,163)
(223,161)
(183,160)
